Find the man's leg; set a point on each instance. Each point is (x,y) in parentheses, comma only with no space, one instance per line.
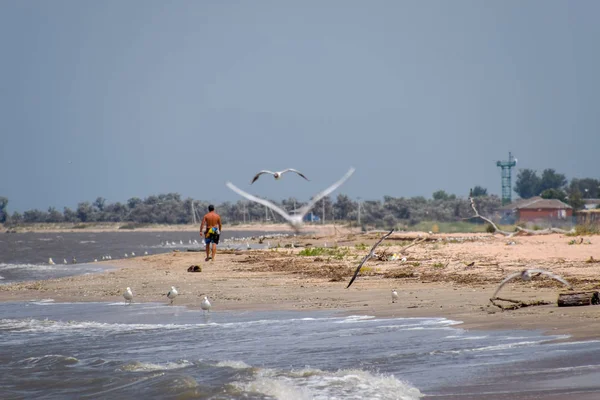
(207,244)
(214,250)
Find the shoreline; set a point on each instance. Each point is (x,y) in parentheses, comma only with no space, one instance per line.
(283,279)
(328,229)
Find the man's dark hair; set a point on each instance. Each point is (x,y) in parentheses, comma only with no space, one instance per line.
(211,208)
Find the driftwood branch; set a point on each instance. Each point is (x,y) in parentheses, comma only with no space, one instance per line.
(520,231)
(517,303)
(414,243)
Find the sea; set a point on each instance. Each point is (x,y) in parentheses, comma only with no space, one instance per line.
(103,350)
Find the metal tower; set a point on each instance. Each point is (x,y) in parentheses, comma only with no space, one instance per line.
(506,177)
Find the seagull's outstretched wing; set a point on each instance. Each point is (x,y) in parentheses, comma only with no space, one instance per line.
(551,275)
(264,202)
(508,278)
(260,173)
(302,211)
(296,171)
(368,256)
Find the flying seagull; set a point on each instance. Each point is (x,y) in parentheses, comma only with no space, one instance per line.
(277,175)
(368,256)
(294,220)
(172,294)
(526,276)
(394,296)
(128,295)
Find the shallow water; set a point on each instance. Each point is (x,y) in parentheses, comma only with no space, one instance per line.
(24,256)
(99,350)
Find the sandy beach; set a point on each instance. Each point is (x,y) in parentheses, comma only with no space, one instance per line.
(435,280)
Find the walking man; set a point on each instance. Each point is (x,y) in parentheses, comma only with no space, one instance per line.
(212,222)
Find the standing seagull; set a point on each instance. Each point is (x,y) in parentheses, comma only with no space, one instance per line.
(172,294)
(368,256)
(277,175)
(394,296)
(526,276)
(205,305)
(50,261)
(296,220)
(128,295)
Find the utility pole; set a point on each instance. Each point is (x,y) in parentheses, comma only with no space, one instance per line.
(323,204)
(193,213)
(244,212)
(266,214)
(358,198)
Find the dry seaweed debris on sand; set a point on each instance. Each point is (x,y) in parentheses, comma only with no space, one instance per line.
(517,303)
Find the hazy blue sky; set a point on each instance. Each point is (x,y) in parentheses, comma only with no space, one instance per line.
(148,97)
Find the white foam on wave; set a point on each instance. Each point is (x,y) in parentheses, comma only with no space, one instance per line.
(315,384)
(36,267)
(147,367)
(50,326)
(87,241)
(355,318)
(48,360)
(232,364)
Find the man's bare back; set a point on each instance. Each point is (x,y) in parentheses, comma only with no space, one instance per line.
(212,222)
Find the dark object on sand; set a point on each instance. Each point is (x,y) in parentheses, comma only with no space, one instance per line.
(194,268)
(578,299)
(196,250)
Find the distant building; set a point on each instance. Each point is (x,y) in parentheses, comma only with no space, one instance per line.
(535,208)
(590,216)
(590,204)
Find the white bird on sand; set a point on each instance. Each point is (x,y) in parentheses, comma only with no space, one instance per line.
(95,260)
(394,296)
(65,261)
(181,242)
(126,255)
(296,220)
(145,253)
(526,276)
(205,305)
(172,294)
(277,175)
(50,261)
(132,254)
(128,295)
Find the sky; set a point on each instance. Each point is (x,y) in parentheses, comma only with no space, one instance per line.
(125,99)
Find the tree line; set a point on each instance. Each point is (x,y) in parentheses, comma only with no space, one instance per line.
(170,208)
(553,185)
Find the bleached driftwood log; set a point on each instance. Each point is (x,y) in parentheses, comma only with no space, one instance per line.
(578,299)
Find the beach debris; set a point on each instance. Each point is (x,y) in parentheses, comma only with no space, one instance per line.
(172,294)
(296,221)
(518,229)
(194,268)
(277,175)
(205,305)
(592,260)
(371,252)
(128,295)
(517,303)
(395,296)
(526,275)
(578,299)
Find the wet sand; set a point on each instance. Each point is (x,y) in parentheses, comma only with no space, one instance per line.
(434,281)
